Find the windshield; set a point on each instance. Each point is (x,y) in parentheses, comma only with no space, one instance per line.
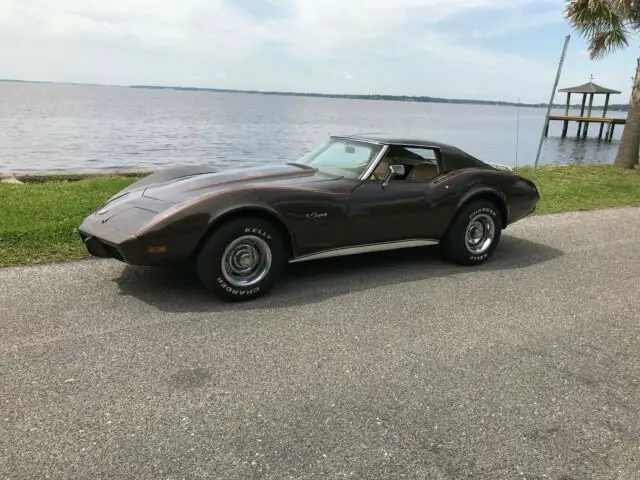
(345,158)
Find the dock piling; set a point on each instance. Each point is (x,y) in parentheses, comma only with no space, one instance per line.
(586,125)
(565,125)
(584,101)
(604,114)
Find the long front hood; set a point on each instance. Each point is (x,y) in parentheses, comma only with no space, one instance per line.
(184,188)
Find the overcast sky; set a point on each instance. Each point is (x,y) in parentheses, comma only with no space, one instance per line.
(485,49)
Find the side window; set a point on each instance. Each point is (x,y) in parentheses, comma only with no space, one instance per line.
(421,164)
(427,154)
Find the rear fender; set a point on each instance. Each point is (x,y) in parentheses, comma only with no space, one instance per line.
(487,193)
(478,191)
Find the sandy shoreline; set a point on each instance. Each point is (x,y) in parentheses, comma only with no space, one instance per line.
(75,174)
(81,173)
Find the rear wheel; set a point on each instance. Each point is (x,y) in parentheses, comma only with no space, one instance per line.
(242,259)
(474,233)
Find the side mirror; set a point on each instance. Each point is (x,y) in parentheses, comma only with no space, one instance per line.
(394,171)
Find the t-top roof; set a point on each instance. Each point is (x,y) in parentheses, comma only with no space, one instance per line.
(589,87)
(392,140)
(453,155)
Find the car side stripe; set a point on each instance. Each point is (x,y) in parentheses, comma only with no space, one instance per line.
(215,194)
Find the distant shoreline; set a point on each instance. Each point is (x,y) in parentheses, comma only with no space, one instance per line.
(378,97)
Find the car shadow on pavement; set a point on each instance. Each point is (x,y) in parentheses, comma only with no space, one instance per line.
(311,282)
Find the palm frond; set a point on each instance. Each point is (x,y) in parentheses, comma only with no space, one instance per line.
(626,8)
(592,13)
(603,43)
(606,24)
(629,10)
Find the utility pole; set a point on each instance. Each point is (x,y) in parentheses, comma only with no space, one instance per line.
(553,93)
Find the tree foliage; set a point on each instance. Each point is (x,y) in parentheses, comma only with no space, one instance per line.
(609,26)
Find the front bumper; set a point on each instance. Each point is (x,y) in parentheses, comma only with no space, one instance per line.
(99,248)
(104,242)
(132,251)
(118,238)
(111,231)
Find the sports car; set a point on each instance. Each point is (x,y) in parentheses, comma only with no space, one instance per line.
(238,228)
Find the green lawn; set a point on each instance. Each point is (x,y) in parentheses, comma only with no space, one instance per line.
(39,221)
(584,187)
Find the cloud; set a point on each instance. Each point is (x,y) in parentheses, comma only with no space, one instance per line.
(518,21)
(168,24)
(386,47)
(322,28)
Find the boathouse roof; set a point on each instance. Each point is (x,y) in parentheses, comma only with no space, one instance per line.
(589,87)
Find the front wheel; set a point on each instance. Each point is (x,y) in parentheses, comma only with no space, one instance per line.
(474,233)
(242,259)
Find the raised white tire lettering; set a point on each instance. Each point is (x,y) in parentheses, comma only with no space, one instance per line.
(484,209)
(258,231)
(235,291)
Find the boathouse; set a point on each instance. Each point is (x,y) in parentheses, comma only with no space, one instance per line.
(590,90)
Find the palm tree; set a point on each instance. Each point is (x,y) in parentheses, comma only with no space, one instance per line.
(608,25)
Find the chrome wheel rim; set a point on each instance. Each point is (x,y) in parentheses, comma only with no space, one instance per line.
(246,261)
(480,233)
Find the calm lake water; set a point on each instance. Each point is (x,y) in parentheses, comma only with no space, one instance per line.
(50,127)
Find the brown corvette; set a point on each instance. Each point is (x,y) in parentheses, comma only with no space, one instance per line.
(351,195)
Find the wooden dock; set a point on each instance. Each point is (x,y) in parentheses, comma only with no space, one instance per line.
(611,123)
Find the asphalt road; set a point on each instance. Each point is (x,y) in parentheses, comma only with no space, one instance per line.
(386,366)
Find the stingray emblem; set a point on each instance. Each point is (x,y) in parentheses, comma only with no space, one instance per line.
(316,215)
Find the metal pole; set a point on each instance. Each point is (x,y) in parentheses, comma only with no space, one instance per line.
(546,120)
(517,132)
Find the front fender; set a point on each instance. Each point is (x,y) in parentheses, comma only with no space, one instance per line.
(197,217)
(221,214)
(254,209)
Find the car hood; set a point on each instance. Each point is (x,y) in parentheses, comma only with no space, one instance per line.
(181,189)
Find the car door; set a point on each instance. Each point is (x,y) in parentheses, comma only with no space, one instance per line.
(403,210)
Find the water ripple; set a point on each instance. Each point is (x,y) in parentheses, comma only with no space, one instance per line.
(69,126)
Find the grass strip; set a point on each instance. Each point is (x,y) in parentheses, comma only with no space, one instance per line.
(39,220)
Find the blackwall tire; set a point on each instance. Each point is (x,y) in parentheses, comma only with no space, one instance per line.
(473,234)
(242,259)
